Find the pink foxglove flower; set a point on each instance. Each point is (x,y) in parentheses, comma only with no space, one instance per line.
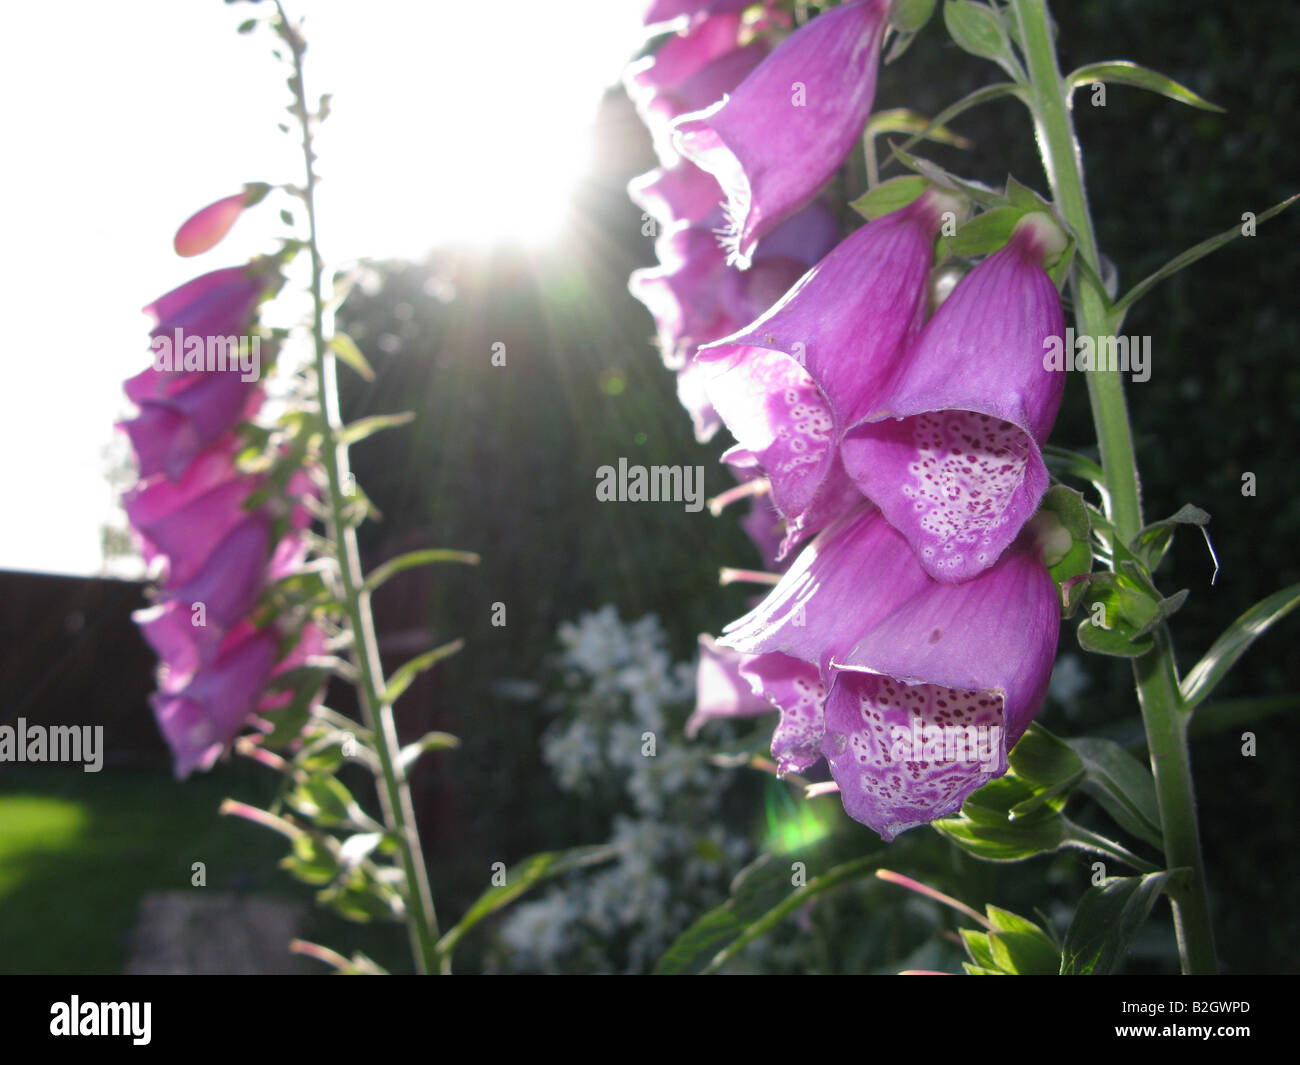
(203,716)
(789,384)
(860,650)
(690,71)
(951,453)
(720,691)
(673,194)
(169,433)
(775,141)
(926,707)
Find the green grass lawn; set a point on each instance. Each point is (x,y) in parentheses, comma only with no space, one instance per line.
(78,852)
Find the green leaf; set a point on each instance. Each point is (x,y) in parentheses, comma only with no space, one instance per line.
(908,16)
(1002,822)
(364,427)
(362,899)
(408,671)
(1152,541)
(326,801)
(1020,947)
(1113,642)
(1165,609)
(934,173)
(1122,785)
(1020,814)
(901,120)
(1124,72)
(980,96)
(976,29)
(430,741)
(346,349)
(1064,463)
(520,879)
(1131,607)
(314,859)
(978,947)
(412,559)
(1190,256)
(1027,199)
(1108,918)
(1223,655)
(254,193)
(985,233)
(889,196)
(762,896)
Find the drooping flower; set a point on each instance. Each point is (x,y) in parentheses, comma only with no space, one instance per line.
(169,433)
(819,611)
(202,717)
(775,141)
(674,194)
(218,303)
(790,383)
(926,707)
(690,71)
(950,453)
(720,691)
(203,380)
(857,643)
(214,536)
(695,297)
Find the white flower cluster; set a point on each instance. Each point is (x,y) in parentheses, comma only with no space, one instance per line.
(618,735)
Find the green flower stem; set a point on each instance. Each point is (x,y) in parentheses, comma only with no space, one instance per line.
(1156,676)
(394,794)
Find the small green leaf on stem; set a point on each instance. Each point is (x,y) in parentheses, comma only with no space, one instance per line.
(408,671)
(1124,72)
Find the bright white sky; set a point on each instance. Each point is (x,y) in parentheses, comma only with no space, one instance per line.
(121,119)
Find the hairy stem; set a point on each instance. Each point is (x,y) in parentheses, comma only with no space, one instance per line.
(1163,713)
(377,711)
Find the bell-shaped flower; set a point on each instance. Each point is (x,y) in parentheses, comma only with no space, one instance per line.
(951,453)
(860,649)
(155,498)
(720,690)
(218,303)
(169,433)
(681,293)
(785,130)
(201,718)
(796,689)
(228,583)
(695,297)
(688,73)
(926,706)
(673,194)
(790,383)
(186,535)
(852,575)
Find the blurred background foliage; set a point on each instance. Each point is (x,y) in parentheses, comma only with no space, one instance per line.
(502,460)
